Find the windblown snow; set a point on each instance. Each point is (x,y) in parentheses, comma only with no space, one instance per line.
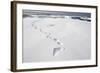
(56,39)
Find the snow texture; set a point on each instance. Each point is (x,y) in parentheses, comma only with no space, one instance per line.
(56,38)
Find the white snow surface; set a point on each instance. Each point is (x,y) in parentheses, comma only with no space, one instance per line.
(74,34)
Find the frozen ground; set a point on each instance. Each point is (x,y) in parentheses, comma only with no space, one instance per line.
(74,34)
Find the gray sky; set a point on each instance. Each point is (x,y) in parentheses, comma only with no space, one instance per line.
(38,12)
